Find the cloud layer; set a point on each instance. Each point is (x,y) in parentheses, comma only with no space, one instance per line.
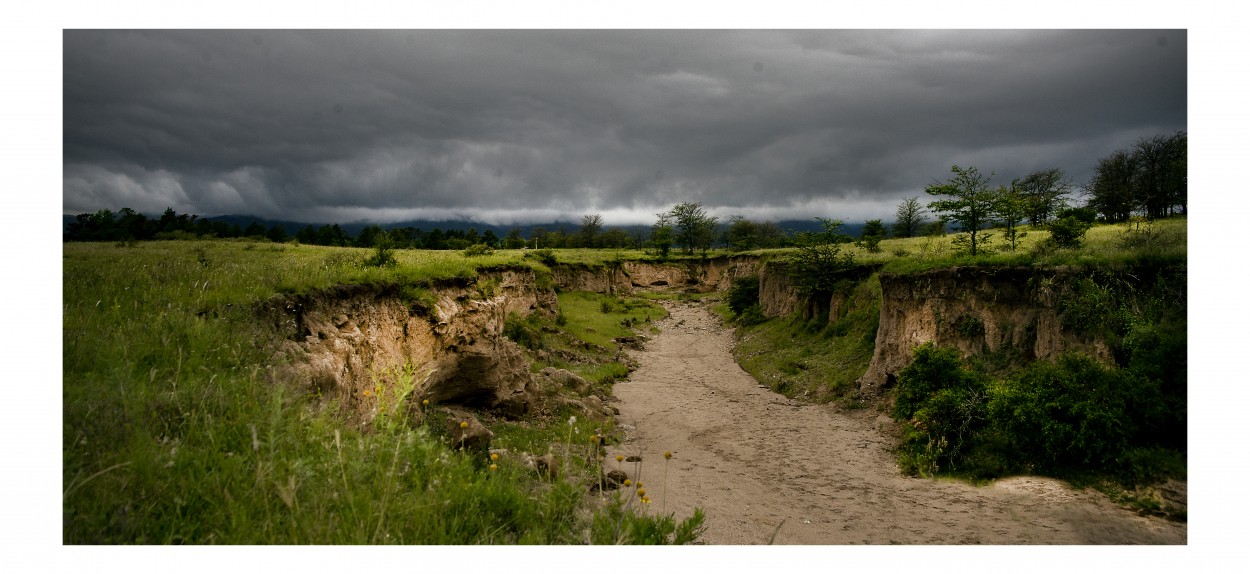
(522,126)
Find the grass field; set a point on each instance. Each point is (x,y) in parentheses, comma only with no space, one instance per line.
(173,432)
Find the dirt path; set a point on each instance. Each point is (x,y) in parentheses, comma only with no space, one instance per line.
(753,461)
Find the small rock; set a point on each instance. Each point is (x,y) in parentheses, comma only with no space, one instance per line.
(633,458)
(612,480)
(475,436)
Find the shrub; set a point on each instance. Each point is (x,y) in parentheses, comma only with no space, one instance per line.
(478,250)
(545,256)
(932,369)
(524,331)
(1074,413)
(744,294)
(945,403)
(818,263)
(383,254)
(1068,232)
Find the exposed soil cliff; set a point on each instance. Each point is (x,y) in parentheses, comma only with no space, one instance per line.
(348,341)
(977,310)
(624,277)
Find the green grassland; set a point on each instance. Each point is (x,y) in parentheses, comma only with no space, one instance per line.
(173,431)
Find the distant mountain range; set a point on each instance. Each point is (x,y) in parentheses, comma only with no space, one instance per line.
(293,227)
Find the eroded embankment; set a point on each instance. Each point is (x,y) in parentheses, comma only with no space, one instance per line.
(344,342)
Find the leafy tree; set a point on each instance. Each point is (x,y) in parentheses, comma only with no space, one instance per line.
(592,224)
(277,234)
(1159,185)
(489,238)
(819,260)
(307,235)
(615,238)
(971,206)
(513,239)
(742,234)
(695,229)
(254,229)
(872,234)
(1045,192)
(662,234)
(909,218)
(1011,208)
(1111,188)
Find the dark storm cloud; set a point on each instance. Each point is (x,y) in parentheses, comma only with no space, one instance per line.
(507,126)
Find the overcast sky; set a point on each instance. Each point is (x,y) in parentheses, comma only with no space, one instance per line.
(508,127)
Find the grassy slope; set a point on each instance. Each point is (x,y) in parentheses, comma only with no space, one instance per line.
(814,360)
(172,432)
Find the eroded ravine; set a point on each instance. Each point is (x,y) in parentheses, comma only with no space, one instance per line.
(765,468)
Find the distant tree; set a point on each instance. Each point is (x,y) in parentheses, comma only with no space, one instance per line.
(694,228)
(435,239)
(277,234)
(1045,194)
(1111,188)
(662,233)
(742,235)
(369,236)
(1010,208)
(254,229)
(490,239)
(769,234)
(592,224)
(909,218)
(513,239)
(1159,186)
(615,238)
(872,234)
(817,263)
(970,206)
(307,235)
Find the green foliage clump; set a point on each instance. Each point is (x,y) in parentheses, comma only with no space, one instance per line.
(621,524)
(478,250)
(1075,413)
(818,263)
(744,294)
(383,253)
(1067,232)
(524,331)
(545,256)
(1071,417)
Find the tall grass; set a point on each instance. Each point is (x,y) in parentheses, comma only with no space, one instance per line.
(173,431)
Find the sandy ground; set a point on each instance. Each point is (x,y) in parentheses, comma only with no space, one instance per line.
(763,467)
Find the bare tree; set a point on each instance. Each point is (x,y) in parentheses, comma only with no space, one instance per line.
(591,225)
(910,218)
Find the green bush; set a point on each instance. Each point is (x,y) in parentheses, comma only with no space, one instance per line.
(1075,413)
(945,403)
(1068,232)
(478,250)
(744,294)
(932,369)
(524,331)
(545,256)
